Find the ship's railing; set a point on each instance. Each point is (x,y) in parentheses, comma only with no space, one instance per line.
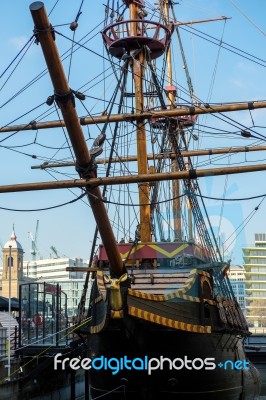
(154,282)
(183,120)
(43,315)
(257,330)
(124,29)
(164,254)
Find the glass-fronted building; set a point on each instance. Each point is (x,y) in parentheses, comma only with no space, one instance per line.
(255,273)
(236,274)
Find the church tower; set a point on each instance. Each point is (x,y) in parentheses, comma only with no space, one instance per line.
(14,249)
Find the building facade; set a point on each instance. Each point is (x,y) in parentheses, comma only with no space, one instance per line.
(51,270)
(12,272)
(236,275)
(54,270)
(255,273)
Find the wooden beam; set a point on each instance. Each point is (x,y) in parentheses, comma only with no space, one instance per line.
(91,183)
(160,156)
(200,21)
(101,119)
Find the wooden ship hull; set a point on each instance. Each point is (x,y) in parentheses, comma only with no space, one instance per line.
(171,384)
(170,314)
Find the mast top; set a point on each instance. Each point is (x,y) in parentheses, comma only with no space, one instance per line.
(37,5)
(139,3)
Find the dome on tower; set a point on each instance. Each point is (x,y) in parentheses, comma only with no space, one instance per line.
(13,242)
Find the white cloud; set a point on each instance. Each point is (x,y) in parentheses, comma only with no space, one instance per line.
(18,42)
(245,67)
(237,83)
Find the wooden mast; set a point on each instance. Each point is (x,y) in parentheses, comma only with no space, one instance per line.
(174,164)
(189,210)
(138,70)
(64,98)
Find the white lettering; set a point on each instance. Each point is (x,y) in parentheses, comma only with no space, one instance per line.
(85,363)
(64,363)
(187,361)
(181,363)
(74,363)
(197,360)
(209,363)
(163,359)
(150,367)
(56,361)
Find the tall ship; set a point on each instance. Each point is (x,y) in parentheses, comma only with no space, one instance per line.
(161,319)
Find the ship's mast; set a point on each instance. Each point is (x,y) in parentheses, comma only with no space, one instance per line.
(189,211)
(171,92)
(135,39)
(138,70)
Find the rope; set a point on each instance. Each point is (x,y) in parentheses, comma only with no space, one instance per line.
(46,208)
(249,19)
(244,223)
(111,391)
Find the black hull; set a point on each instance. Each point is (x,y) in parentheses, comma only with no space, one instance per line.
(135,338)
(47,385)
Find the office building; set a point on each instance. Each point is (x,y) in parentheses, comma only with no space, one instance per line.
(236,275)
(54,270)
(255,273)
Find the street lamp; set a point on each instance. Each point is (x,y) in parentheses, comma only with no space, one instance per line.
(9,264)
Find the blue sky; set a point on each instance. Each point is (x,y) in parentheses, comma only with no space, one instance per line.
(70,228)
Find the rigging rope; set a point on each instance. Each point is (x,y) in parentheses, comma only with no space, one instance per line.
(216,66)
(53,8)
(81,306)
(24,47)
(236,50)
(245,222)
(44,208)
(246,16)
(30,43)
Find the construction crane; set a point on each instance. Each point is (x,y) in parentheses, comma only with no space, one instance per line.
(34,248)
(54,251)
